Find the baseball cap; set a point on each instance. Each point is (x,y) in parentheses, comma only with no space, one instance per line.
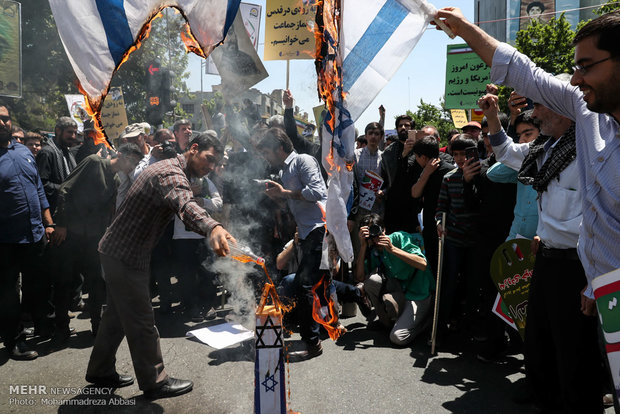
(473,124)
(136,129)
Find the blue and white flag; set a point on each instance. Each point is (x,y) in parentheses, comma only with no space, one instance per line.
(97,34)
(376,38)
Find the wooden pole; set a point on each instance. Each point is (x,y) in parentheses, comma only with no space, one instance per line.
(438,286)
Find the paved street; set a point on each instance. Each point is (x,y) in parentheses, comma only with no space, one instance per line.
(360,373)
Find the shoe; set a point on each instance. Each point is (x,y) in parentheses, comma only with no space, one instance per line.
(196,314)
(111,381)
(171,387)
(21,352)
(310,352)
(29,332)
(608,400)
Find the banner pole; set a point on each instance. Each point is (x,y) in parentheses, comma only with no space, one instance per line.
(288,70)
(438,286)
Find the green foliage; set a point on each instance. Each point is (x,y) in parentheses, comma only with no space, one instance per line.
(429,114)
(608,7)
(549,45)
(47,74)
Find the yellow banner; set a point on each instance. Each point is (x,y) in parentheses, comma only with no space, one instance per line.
(113,115)
(10,49)
(287,33)
(459,117)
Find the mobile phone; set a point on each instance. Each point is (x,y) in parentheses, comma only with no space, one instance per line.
(471,152)
(411,134)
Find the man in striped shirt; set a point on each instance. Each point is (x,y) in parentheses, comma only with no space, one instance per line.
(160,192)
(458,200)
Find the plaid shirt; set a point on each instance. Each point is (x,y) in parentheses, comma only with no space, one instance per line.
(161,191)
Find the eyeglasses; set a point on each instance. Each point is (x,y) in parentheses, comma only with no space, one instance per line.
(584,69)
(5,118)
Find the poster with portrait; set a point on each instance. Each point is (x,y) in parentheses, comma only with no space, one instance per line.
(539,10)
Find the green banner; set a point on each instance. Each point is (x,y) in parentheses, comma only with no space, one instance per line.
(10,49)
(466,77)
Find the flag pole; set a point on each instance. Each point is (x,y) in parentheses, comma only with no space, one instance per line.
(438,285)
(288,70)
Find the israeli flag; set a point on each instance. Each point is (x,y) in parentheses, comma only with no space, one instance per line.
(97,34)
(376,38)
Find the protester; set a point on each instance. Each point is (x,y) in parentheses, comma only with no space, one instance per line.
(26,225)
(34,142)
(555,324)
(396,279)
(182,130)
(85,207)
(462,230)
(473,129)
(161,191)
(425,191)
(304,190)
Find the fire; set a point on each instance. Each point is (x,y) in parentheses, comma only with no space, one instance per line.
(330,320)
(190,42)
(94,108)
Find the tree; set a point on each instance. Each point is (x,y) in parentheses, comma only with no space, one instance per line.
(429,114)
(608,7)
(47,74)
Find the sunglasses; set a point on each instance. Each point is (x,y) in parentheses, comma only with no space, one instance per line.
(5,118)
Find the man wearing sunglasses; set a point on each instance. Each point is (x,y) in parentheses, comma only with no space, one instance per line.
(592,100)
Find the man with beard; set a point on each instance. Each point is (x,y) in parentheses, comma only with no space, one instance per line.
(25,226)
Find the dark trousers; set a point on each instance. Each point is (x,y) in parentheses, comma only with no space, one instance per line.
(460,267)
(128,313)
(308,275)
(162,264)
(431,248)
(15,259)
(76,253)
(196,282)
(562,358)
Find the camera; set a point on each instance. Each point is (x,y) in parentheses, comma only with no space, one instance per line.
(374,230)
(168,149)
(471,152)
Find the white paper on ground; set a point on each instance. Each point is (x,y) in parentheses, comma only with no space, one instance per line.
(222,335)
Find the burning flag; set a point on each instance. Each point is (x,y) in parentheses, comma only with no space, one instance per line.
(99,35)
(359,46)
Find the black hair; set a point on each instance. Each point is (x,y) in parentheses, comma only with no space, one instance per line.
(427,146)
(370,219)
(275,138)
(407,117)
(526,118)
(374,125)
(452,133)
(129,150)
(362,139)
(160,134)
(206,140)
(534,4)
(606,28)
(461,142)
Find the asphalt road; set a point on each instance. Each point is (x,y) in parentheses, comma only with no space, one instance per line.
(360,373)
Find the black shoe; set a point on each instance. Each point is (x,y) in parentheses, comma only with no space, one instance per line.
(21,352)
(78,307)
(171,387)
(210,314)
(111,381)
(28,332)
(310,352)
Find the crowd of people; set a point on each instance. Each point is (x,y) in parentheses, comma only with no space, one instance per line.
(119,223)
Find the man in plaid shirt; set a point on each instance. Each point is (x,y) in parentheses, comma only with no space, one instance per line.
(161,191)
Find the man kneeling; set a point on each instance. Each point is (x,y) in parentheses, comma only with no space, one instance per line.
(396,279)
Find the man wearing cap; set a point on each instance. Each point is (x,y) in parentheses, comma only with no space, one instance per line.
(134,134)
(473,128)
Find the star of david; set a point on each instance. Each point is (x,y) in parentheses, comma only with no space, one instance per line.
(260,330)
(270,379)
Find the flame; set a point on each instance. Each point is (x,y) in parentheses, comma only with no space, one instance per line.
(94,108)
(330,322)
(190,42)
